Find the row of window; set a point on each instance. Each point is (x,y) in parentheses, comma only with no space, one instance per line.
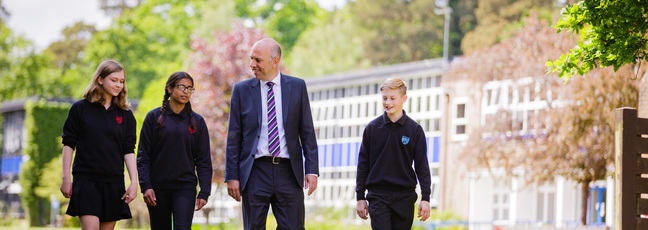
(372,109)
(512,94)
(373,88)
(327,132)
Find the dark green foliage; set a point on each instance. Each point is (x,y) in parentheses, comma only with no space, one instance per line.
(613,33)
(44,122)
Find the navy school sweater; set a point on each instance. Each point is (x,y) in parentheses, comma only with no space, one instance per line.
(386,155)
(176,155)
(101,138)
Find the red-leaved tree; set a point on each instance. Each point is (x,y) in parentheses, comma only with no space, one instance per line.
(216,67)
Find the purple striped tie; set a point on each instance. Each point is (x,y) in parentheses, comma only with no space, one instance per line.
(273,131)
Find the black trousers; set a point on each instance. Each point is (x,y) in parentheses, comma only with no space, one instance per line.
(273,185)
(391,209)
(177,204)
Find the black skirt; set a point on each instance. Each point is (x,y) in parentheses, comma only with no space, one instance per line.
(98,198)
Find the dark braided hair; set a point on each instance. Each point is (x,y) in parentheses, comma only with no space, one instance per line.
(171,83)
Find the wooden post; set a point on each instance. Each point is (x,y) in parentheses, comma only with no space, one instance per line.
(625,163)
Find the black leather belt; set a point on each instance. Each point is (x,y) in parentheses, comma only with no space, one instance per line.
(274,160)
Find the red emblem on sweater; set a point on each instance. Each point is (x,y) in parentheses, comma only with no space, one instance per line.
(119,119)
(191,130)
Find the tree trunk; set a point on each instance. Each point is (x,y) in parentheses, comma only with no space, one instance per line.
(642,109)
(584,198)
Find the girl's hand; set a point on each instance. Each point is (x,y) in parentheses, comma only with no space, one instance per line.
(66,187)
(130,194)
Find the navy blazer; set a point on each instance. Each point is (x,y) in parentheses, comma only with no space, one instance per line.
(245,126)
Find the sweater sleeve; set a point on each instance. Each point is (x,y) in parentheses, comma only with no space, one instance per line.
(71,127)
(203,160)
(363,165)
(130,135)
(144,151)
(421,164)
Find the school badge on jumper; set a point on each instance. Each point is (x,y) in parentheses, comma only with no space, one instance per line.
(405,139)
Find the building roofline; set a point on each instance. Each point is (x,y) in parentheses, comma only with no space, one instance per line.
(381,72)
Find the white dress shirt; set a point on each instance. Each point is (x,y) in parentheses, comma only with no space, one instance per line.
(262,147)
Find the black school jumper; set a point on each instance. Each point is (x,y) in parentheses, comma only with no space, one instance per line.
(168,159)
(101,138)
(385,160)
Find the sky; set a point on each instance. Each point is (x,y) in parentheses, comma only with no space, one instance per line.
(42,21)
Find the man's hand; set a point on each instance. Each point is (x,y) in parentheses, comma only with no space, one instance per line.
(149,197)
(363,209)
(200,203)
(310,183)
(424,210)
(233,189)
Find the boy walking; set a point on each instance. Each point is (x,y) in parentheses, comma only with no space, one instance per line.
(390,143)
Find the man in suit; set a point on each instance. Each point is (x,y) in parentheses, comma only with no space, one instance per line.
(271,147)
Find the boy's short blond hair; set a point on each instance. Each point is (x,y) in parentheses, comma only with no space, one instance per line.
(394,83)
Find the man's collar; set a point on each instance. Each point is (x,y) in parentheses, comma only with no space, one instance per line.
(276,80)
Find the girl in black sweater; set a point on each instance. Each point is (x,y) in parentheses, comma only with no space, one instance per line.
(101,128)
(173,148)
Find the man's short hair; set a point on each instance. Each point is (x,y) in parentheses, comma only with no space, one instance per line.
(276,51)
(394,83)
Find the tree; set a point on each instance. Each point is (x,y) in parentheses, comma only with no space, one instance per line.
(399,31)
(462,21)
(68,51)
(613,33)
(216,67)
(4,13)
(151,41)
(573,137)
(498,20)
(332,45)
(117,7)
(283,20)
(23,71)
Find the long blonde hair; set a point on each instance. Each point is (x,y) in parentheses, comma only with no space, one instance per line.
(95,92)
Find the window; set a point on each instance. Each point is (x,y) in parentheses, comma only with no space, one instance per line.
(459,120)
(377,110)
(489,95)
(366,109)
(418,104)
(428,102)
(335,112)
(461,129)
(437,81)
(358,110)
(350,111)
(436,124)
(461,110)
(437,101)
(546,206)
(501,202)
(428,82)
